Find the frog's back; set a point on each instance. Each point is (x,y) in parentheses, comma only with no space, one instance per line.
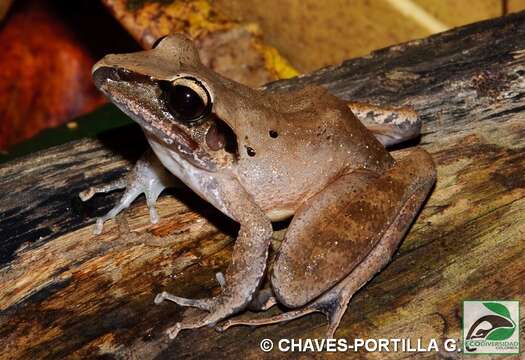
(308,139)
(321,118)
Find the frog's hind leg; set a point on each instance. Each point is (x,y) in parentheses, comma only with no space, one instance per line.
(334,303)
(148,176)
(414,176)
(389,125)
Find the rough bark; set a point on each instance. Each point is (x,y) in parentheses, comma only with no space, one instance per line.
(68,293)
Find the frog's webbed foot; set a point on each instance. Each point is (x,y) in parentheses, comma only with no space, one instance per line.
(333,309)
(213,316)
(262,300)
(217,309)
(148,177)
(243,276)
(203,304)
(334,303)
(232,300)
(389,125)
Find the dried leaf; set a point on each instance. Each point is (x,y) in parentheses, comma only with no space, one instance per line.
(232,49)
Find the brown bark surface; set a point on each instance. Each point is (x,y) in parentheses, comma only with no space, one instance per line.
(67,293)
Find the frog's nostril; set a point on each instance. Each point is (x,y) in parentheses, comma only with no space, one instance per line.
(250,151)
(104,73)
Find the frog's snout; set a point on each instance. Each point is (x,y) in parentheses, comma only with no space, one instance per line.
(102,74)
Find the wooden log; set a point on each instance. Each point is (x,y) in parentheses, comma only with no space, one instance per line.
(67,293)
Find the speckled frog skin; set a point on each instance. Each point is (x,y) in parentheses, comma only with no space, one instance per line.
(262,156)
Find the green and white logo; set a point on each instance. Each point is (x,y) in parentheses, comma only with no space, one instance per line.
(491,327)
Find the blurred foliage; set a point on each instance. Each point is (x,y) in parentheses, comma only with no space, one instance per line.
(104,118)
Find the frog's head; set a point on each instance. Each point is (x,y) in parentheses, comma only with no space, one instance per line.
(173,97)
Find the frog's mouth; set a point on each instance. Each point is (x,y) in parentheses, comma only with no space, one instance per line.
(208,145)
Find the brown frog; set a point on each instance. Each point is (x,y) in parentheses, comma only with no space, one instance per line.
(261,156)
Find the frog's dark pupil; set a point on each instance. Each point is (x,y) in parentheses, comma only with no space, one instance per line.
(186,104)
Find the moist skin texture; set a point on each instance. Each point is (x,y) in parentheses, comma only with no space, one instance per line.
(260,157)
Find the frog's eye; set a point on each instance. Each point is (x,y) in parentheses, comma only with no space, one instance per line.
(188,100)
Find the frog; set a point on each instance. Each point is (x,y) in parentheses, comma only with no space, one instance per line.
(260,157)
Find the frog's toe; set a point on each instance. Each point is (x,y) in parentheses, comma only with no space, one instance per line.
(173,331)
(127,198)
(194,322)
(87,194)
(135,187)
(332,306)
(152,193)
(219,276)
(203,304)
(217,309)
(113,185)
(153,215)
(267,320)
(99,226)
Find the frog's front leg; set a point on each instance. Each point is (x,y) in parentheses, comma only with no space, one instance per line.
(343,236)
(389,125)
(148,176)
(246,270)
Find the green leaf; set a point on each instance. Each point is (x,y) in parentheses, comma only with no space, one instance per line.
(498,309)
(500,334)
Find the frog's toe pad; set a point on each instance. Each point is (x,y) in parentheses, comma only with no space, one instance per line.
(153,215)
(219,276)
(99,225)
(159,298)
(87,194)
(174,331)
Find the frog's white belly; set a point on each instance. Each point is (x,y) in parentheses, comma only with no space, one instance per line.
(200,181)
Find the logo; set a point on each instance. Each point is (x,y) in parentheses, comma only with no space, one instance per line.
(491,327)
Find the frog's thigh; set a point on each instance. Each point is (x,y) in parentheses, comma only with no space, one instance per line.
(389,125)
(336,229)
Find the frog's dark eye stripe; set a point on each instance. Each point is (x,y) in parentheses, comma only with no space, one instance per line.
(187,99)
(157,42)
